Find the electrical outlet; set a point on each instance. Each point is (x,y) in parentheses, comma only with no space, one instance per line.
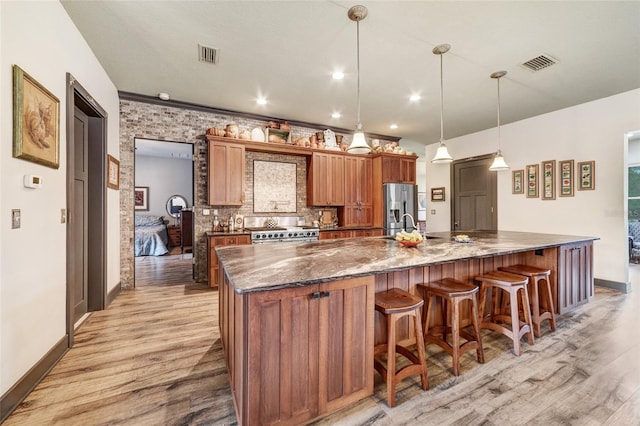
(63,215)
(433,211)
(206,212)
(15,218)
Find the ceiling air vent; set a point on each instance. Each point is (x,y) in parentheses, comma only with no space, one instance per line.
(539,62)
(208,54)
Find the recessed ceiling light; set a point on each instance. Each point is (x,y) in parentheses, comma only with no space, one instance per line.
(163,96)
(393,126)
(261,101)
(337,75)
(415,98)
(336,115)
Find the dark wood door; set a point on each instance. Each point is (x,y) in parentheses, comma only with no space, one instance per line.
(474,195)
(79,215)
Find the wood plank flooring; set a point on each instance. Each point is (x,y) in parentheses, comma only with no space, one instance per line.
(154,358)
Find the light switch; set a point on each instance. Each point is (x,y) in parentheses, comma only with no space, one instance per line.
(206,212)
(15,218)
(63,215)
(433,211)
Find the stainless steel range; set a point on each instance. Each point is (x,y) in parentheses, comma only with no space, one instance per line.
(281,230)
(283,235)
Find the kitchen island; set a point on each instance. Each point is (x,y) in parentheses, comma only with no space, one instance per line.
(297,320)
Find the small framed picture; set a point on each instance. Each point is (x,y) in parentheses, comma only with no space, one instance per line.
(549,180)
(565,173)
(517,182)
(141,198)
(113,173)
(587,175)
(437,194)
(422,201)
(532,180)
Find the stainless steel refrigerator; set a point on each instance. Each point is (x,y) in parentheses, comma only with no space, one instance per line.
(399,199)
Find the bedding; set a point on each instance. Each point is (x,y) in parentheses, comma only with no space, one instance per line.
(151,238)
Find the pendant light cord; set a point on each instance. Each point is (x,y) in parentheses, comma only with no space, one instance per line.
(498,114)
(441,103)
(359,125)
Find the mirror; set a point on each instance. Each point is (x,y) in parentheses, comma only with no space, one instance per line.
(175,203)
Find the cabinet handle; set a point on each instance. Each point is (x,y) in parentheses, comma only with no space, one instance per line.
(324,294)
(315,295)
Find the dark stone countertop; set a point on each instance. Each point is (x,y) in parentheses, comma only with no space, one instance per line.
(259,267)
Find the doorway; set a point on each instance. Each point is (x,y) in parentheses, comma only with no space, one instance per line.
(86,205)
(474,191)
(163,177)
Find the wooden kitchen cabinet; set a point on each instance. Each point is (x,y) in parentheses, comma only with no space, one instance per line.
(212,243)
(358,205)
(226,173)
(398,168)
(575,276)
(308,350)
(325,180)
(350,233)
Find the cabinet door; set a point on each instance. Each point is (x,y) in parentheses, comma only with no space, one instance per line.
(366,176)
(226,174)
(317,185)
(408,170)
(335,180)
(346,342)
(283,356)
(575,276)
(351,190)
(212,243)
(390,169)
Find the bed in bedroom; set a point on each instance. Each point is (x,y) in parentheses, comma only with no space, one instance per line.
(151,238)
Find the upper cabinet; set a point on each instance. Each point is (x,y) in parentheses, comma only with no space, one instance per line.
(358,205)
(226,174)
(325,180)
(398,168)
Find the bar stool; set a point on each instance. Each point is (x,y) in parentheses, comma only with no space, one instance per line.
(395,304)
(452,293)
(536,277)
(511,284)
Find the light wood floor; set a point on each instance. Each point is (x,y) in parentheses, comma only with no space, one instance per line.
(154,358)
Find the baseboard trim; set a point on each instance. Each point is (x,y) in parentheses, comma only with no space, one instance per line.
(113,294)
(614,285)
(30,380)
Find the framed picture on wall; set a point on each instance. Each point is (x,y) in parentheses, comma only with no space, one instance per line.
(517,182)
(437,194)
(532,180)
(141,198)
(587,175)
(565,171)
(36,121)
(549,180)
(113,172)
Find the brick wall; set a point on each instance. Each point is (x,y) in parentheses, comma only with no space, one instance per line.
(166,123)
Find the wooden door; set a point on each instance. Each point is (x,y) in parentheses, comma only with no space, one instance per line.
(474,192)
(79,215)
(346,342)
(283,356)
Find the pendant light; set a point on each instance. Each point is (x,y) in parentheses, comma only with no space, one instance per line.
(498,161)
(358,144)
(442,155)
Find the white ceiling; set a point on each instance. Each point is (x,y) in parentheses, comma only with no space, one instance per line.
(287,50)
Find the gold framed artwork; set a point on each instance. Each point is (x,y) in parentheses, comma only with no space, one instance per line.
(437,194)
(532,180)
(141,198)
(586,175)
(565,172)
(113,172)
(517,182)
(36,121)
(549,180)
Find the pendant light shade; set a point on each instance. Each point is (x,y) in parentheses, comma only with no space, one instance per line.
(358,143)
(442,154)
(498,161)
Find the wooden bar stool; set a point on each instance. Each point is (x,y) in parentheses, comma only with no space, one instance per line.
(452,293)
(395,304)
(511,284)
(536,277)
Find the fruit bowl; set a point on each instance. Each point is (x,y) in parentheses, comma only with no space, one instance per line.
(410,243)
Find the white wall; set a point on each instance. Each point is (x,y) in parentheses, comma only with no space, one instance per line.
(164,177)
(41,39)
(591,131)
